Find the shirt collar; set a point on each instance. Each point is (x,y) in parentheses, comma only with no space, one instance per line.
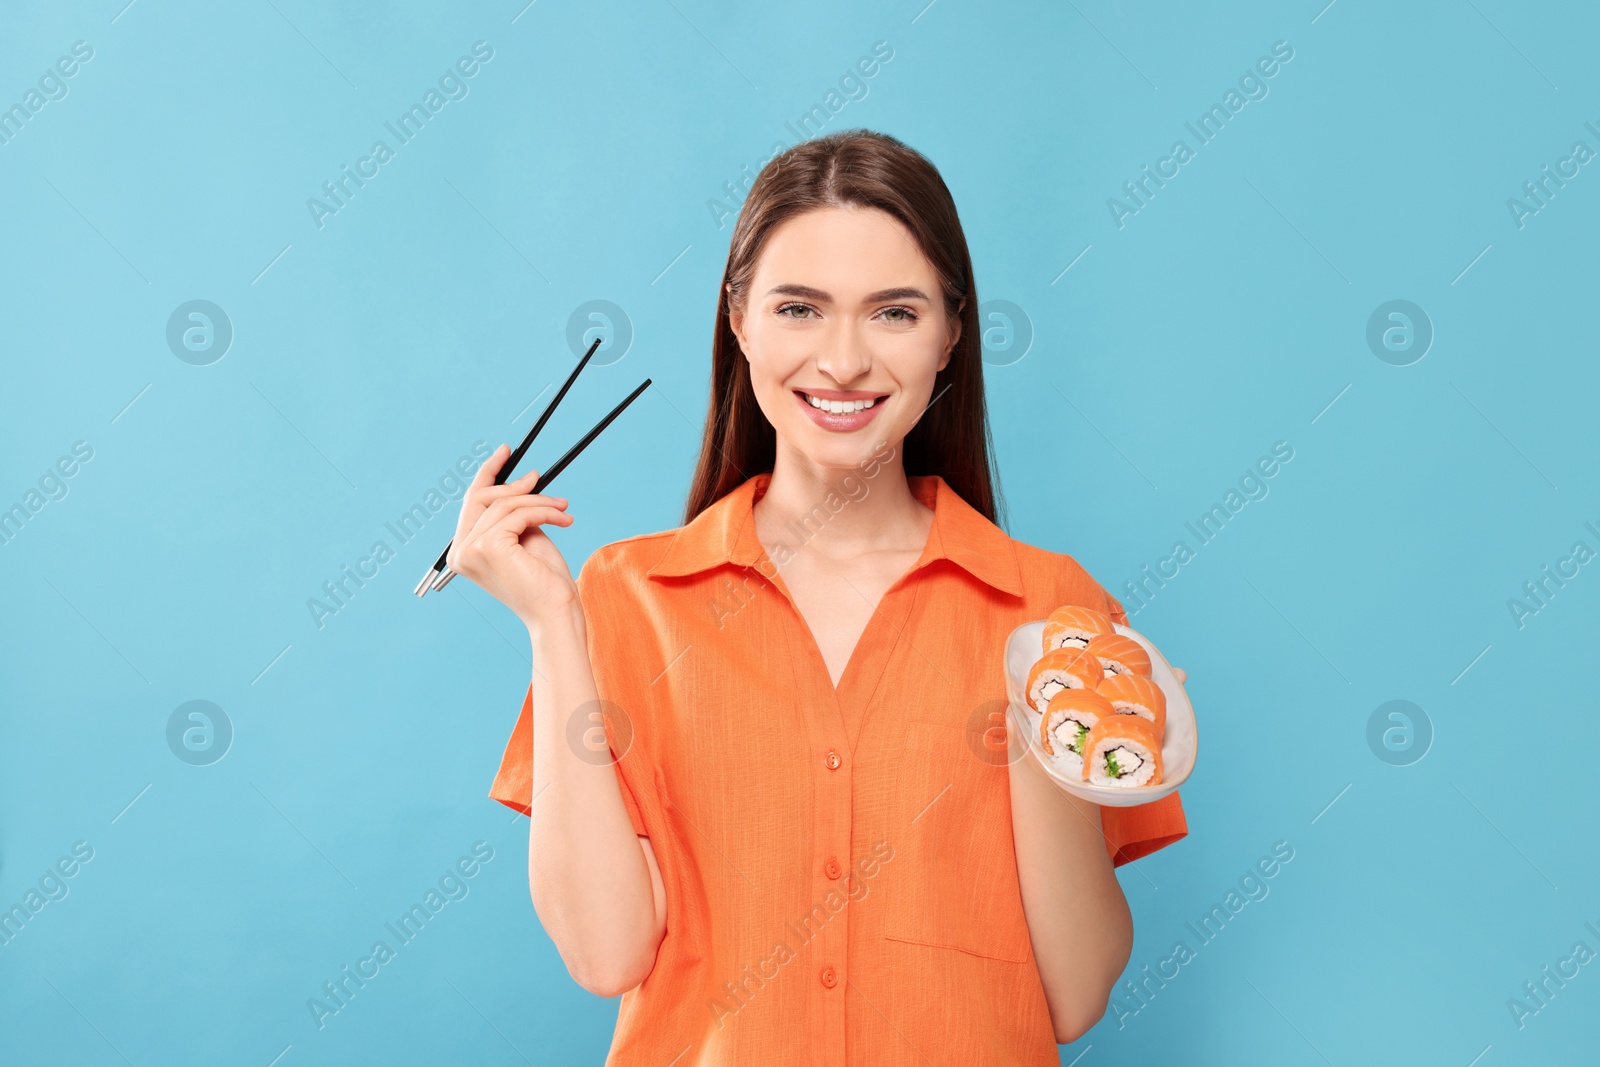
(725,533)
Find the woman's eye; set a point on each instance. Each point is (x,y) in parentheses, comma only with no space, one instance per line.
(805,311)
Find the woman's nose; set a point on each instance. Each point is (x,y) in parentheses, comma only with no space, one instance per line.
(845,356)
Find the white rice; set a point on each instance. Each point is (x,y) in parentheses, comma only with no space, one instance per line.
(1128,750)
(1075,637)
(1132,707)
(1063,732)
(1048,685)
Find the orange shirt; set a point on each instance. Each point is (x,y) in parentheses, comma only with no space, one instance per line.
(839,867)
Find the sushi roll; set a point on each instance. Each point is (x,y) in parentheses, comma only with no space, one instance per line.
(1074,626)
(1065,668)
(1120,654)
(1122,751)
(1129,694)
(1066,722)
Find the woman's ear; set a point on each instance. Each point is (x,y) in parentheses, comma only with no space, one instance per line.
(955,334)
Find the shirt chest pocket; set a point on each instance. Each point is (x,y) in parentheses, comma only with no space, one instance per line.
(957,887)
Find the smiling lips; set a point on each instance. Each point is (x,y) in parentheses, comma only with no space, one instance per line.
(840,410)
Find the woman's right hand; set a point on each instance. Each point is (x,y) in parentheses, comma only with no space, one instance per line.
(500,545)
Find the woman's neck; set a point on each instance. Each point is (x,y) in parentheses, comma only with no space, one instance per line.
(841,513)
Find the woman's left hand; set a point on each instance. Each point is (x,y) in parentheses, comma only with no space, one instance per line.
(1180,674)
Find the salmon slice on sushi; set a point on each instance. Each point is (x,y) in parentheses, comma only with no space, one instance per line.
(1064,668)
(1122,751)
(1066,724)
(1129,694)
(1120,654)
(1074,627)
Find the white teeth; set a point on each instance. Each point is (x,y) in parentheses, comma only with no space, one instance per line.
(840,407)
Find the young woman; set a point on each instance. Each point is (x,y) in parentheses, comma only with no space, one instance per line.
(791,843)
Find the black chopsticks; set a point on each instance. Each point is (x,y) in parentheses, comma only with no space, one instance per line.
(439,574)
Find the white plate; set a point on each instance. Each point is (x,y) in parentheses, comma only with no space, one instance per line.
(1179,744)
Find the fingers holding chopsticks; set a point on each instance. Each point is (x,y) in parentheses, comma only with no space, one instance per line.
(500,545)
(474,500)
(546,509)
(486,488)
(483,491)
(509,554)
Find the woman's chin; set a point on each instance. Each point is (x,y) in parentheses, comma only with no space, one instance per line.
(852,452)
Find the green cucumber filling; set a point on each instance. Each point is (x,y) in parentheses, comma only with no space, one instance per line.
(1116,757)
(1078,733)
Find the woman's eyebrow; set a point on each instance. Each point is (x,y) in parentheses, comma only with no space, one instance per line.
(809,293)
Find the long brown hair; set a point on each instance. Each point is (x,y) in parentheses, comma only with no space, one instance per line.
(860,168)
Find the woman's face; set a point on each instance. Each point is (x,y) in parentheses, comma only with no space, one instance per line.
(843,307)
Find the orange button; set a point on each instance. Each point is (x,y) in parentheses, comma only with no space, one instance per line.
(830,977)
(832,760)
(832,868)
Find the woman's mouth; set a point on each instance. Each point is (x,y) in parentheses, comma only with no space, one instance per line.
(841,415)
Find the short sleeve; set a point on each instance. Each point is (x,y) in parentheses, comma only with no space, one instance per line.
(623,716)
(1115,610)
(1140,830)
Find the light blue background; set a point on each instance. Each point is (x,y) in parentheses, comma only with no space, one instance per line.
(426,315)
